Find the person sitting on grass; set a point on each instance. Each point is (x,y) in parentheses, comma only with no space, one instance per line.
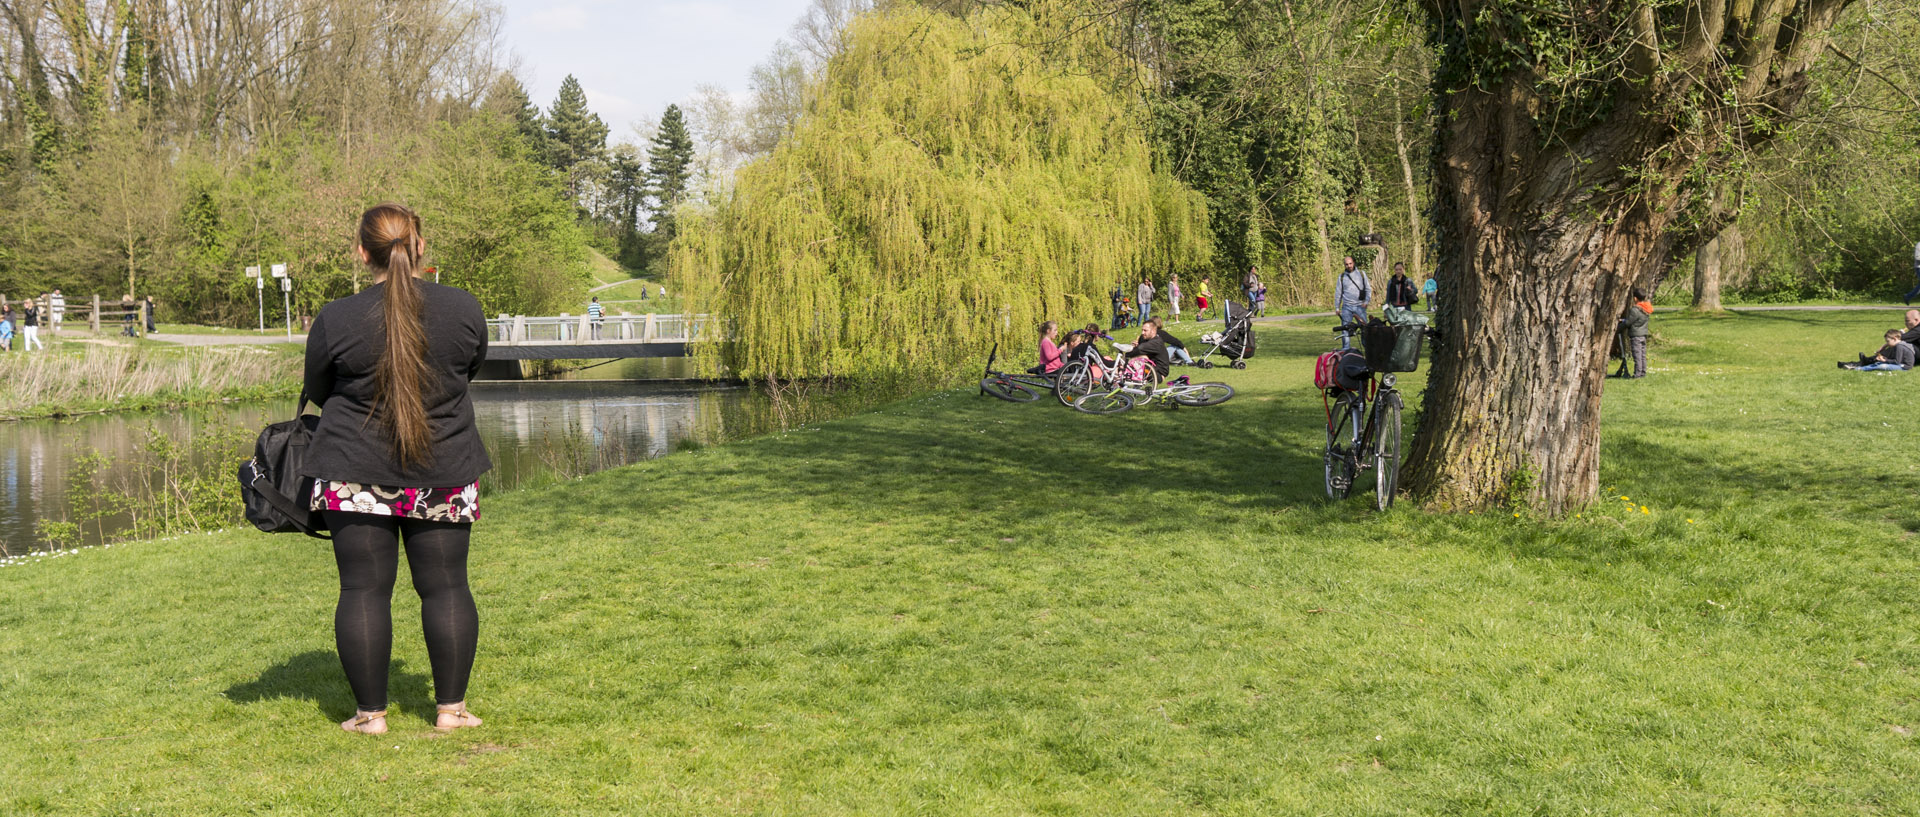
(1155,346)
(1912,335)
(1080,348)
(1896,356)
(1050,359)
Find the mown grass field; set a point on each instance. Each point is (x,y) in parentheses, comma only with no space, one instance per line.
(953,605)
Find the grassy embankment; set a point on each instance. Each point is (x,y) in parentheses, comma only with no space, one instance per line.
(953,605)
(84,377)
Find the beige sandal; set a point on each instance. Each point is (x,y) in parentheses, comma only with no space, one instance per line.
(457,711)
(362,719)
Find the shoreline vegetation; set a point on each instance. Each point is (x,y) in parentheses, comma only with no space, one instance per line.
(125,377)
(955,605)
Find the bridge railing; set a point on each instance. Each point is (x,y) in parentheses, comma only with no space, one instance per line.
(523,330)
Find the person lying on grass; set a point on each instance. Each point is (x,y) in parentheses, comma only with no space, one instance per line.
(1897,355)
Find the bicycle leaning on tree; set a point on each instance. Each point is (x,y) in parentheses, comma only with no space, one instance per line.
(1364,412)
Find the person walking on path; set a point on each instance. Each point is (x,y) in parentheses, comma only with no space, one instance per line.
(56,310)
(1431,289)
(30,327)
(1144,297)
(148,306)
(595,312)
(1173,296)
(6,329)
(1351,294)
(1915,292)
(1249,283)
(395,460)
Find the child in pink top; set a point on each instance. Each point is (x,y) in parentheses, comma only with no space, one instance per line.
(1050,357)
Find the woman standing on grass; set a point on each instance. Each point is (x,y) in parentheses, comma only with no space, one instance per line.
(30,325)
(395,459)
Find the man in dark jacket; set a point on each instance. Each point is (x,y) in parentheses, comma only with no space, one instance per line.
(1912,335)
(1159,348)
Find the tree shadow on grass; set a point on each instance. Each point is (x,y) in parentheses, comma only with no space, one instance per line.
(969,456)
(316,676)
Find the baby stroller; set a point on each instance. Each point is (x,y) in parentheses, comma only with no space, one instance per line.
(1236,341)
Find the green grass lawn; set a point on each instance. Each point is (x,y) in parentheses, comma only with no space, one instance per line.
(953,605)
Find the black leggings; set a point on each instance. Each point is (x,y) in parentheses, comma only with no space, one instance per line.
(367,548)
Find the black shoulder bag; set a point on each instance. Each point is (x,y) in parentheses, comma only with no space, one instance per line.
(275,494)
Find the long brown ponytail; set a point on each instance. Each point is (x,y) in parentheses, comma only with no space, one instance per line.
(390,234)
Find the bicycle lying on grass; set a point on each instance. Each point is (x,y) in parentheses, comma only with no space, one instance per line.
(1017,387)
(1112,389)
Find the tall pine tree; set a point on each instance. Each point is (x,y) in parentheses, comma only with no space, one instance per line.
(509,99)
(575,135)
(669,162)
(627,179)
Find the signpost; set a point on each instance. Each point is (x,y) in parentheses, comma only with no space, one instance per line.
(286,295)
(259,294)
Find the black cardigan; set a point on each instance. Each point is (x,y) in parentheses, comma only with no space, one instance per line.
(343,350)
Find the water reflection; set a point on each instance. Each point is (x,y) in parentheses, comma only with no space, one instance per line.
(536,431)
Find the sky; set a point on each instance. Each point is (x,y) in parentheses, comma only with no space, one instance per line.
(634,57)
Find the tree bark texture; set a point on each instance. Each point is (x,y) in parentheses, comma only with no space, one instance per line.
(1549,210)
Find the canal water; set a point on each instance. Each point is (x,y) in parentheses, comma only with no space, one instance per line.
(536,431)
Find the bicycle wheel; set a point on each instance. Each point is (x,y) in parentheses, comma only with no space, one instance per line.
(1204,394)
(1074,380)
(1386,451)
(1009,390)
(1104,402)
(1341,463)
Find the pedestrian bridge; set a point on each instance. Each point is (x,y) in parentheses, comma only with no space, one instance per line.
(520,337)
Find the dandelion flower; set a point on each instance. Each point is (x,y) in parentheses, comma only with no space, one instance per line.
(1643,509)
(1624,499)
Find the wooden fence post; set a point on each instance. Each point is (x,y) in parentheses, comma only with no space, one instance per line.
(93,318)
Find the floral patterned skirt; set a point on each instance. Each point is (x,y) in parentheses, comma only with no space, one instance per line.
(431,504)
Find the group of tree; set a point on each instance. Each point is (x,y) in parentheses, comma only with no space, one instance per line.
(1537,158)
(938,196)
(161,146)
(625,195)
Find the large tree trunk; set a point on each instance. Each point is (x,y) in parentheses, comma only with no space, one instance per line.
(1535,274)
(1553,198)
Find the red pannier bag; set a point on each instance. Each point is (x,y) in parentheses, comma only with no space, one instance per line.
(1325,369)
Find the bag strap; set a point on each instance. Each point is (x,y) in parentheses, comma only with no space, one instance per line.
(300,406)
(286,506)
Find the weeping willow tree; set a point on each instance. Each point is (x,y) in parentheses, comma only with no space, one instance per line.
(952,183)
